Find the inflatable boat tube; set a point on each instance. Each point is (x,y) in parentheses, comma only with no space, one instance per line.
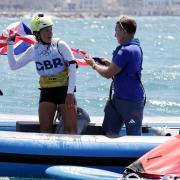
(30,154)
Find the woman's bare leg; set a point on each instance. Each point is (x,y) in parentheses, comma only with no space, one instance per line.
(69,118)
(46,115)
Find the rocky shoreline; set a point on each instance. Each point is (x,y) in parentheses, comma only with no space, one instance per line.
(59,14)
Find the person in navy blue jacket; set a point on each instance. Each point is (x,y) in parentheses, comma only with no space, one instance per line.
(126,104)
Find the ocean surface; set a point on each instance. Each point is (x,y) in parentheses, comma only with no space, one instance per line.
(160,40)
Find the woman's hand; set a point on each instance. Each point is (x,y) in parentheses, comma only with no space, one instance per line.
(11,39)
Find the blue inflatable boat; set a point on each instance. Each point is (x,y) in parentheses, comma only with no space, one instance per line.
(29,153)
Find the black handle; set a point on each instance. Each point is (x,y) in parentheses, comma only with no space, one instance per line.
(1,93)
(99,60)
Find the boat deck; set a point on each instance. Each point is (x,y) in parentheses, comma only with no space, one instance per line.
(151,125)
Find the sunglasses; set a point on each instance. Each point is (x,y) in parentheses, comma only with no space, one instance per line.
(122,27)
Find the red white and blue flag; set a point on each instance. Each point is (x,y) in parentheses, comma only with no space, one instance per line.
(24,39)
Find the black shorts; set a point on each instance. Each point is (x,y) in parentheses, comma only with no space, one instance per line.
(56,95)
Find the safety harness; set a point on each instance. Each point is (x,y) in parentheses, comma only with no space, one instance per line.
(70,62)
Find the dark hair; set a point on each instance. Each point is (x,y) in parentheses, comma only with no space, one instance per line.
(37,35)
(128,24)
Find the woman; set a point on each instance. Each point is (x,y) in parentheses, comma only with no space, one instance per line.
(127,104)
(57,69)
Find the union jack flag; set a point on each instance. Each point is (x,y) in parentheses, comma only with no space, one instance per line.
(24,39)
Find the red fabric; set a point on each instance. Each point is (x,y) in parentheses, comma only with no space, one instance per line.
(162,160)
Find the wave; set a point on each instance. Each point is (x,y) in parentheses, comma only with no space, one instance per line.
(164,103)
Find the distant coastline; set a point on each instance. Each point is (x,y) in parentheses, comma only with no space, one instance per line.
(58,14)
(25,14)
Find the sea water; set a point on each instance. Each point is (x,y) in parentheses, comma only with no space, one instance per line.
(160,40)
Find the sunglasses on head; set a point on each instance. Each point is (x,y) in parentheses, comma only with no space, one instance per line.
(122,27)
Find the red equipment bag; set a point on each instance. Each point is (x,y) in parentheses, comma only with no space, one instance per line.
(162,161)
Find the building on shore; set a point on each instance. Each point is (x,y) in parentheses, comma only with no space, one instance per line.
(150,7)
(93,7)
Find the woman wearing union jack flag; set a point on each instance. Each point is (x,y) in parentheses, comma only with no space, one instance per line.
(57,69)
